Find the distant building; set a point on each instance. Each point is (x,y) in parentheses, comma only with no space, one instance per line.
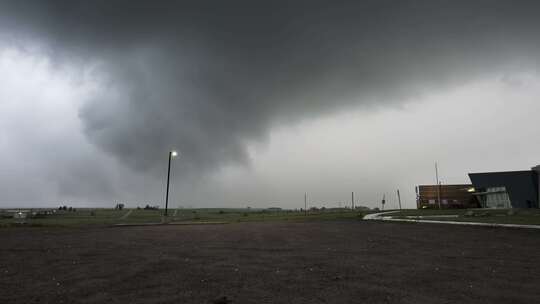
(451,196)
(511,189)
(22,214)
(18,214)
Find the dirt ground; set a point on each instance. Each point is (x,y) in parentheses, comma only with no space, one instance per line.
(310,262)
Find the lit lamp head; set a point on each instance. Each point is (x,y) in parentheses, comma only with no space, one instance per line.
(174,153)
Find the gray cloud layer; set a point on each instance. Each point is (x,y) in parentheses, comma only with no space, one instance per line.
(208,77)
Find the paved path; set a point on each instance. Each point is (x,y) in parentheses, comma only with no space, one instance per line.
(377,216)
(125,216)
(384,216)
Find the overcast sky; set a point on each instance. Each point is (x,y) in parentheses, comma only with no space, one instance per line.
(265,100)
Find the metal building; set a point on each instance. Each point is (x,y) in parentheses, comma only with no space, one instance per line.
(511,189)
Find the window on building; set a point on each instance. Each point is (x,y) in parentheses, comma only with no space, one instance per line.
(497,197)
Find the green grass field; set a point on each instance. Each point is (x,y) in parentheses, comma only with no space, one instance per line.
(500,216)
(89,217)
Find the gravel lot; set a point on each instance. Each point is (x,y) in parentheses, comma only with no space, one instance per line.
(279,262)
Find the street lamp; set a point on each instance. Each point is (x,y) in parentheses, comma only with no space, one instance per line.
(171,155)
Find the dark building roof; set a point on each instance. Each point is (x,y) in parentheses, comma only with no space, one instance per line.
(521,186)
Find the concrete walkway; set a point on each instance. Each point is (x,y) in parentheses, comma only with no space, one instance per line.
(125,216)
(377,216)
(384,216)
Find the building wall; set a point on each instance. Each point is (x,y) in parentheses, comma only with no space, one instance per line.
(521,186)
(495,197)
(536,170)
(452,196)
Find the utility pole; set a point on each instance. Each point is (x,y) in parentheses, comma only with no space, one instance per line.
(168,177)
(352,200)
(171,155)
(438,185)
(305,203)
(383,201)
(399,199)
(417,197)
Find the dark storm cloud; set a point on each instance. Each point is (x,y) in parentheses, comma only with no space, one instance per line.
(208,77)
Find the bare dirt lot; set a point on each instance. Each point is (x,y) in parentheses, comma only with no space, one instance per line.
(309,262)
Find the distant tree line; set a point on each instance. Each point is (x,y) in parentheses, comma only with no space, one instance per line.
(66,208)
(148,207)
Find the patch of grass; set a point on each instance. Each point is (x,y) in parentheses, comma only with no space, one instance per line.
(144,216)
(89,217)
(81,217)
(244,215)
(428,212)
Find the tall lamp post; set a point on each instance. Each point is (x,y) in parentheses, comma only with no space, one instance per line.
(171,155)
